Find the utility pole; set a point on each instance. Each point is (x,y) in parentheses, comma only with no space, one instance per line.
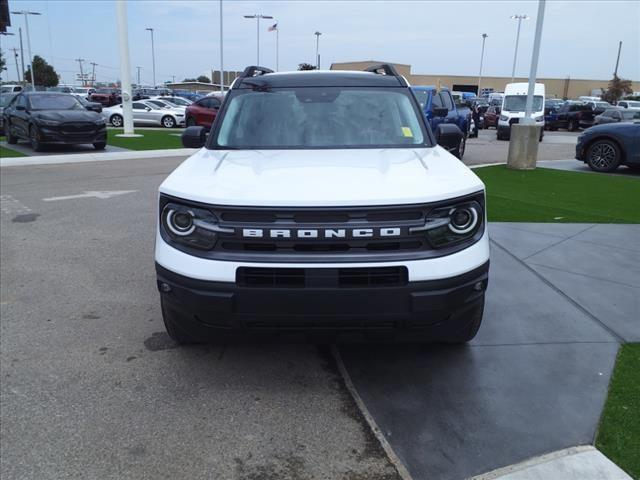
(258,16)
(138,76)
(153,57)
(221,54)
(615,74)
(80,60)
(15,56)
(93,73)
(515,53)
(484,37)
(317,34)
(21,52)
(26,22)
(534,64)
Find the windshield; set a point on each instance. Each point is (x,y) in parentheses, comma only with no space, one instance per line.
(5,99)
(627,115)
(517,103)
(602,104)
(179,101)
(54,102)
(633,104)
(321,117)
(159,103)
(80,90)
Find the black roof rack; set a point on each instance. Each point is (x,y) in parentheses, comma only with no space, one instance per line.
(386,69)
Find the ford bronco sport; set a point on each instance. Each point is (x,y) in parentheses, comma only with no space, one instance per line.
(321,203)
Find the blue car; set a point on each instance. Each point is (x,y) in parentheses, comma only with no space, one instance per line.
(438,107)
(605,147)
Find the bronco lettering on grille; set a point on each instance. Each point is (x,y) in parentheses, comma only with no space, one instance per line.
(314,233)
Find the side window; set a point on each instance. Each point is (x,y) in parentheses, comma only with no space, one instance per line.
(139,106)
(617,115)
(203,103)
(436,101)
(214,103)
(22,101)
(446,100)
(422,98)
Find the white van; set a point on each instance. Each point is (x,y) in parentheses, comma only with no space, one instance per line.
(513,106)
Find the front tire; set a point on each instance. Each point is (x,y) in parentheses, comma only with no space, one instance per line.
(116,120)
(191,122)
(172,324)
(572,126)
(36,144)
(462,146)
(603,156)
(168,122)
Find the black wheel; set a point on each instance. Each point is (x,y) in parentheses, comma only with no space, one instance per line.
(572,126)
(168,122)
(471,327)
(100,145)
(462,146)
(603,156)
(34,138)
(191,122)
(172,324)
(11,139)
(116,120)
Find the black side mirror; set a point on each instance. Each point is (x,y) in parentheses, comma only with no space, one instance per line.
(96,107)
(448,136)
(20,107)
(194,137)
(440,112)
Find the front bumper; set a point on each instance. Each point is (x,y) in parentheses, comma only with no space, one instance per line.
(434,310)
(51,135)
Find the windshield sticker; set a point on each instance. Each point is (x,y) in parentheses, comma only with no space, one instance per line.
(406,131)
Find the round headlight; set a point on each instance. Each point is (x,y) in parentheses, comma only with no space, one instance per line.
(462,220)
(180,222)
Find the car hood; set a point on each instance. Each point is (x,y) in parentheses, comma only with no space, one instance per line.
(66,115)
(321,177)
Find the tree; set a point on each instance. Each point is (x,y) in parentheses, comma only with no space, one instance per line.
(46,76)
(189,80)
(306,66)
(203,79)
(617,89)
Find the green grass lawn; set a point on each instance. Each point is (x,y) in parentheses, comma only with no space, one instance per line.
(152,139)
(545,195)
(7,152)
(619,433)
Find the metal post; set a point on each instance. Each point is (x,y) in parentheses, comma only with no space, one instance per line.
(15,57)
(221,54)
(93,73)
(484,37)
(615,73)
(317,34)
(80,60)
(515,53)
(534,64)
(125,66)
(277,47)
(153,57)
(21,53)
(138,76)
(258,25)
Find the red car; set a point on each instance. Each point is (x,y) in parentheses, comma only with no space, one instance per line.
(203,112)
(491,116)
(107,97)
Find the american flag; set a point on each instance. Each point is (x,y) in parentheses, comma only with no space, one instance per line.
(272,27)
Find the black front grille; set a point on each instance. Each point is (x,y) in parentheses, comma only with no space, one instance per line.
(258,277)
(77,128)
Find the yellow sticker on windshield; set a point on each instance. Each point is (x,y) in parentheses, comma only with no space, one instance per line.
(406,131)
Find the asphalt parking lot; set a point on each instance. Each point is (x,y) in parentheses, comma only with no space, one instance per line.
(94,388)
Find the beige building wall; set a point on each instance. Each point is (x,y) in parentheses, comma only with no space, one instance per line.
(558,87)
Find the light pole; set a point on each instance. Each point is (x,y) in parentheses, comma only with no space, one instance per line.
(153,57)
(26,22)
(317,34)
(138,76)
(125,68)
(515,54)
(258,16)
(221,54)
(484,37)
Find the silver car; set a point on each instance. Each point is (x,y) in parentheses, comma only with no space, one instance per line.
(177,101)
(146,113)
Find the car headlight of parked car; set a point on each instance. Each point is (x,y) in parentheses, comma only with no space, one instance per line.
(453,224)
(46,122)
(504,118)
(189,226)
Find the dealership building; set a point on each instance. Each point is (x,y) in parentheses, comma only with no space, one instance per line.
(555,87)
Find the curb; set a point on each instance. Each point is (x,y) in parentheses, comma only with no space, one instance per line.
(94,157)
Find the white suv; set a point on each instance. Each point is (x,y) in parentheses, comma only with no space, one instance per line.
(321,203)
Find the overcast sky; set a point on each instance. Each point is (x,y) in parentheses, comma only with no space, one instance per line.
(580,38)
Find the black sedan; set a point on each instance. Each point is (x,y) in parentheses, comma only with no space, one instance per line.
(605,147)
(52,118)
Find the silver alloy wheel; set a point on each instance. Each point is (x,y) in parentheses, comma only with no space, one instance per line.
(116,120)
(168,122)
(602,156)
